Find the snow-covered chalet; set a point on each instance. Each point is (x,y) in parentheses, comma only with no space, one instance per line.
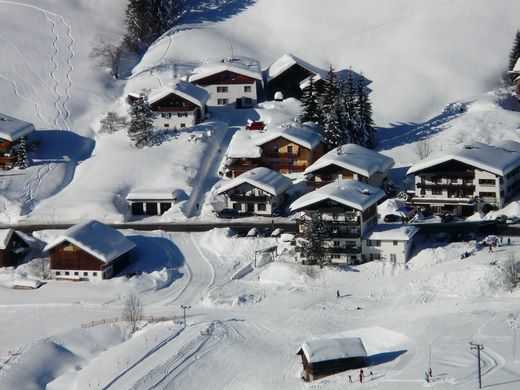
(89,251)
(287,149)
(260,191)
(348,209)
(152,202)
(177,106)
(349,161)
(12,130)
(463,180)
(516,72)
(229,81)
(13,247)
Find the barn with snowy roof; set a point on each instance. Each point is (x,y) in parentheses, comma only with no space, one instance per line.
(260,191)
(177,105)
(13,246)
(89,251)
(325,357)
(12,131)
(229,81)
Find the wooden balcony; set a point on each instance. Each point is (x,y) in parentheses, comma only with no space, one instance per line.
(290,167)
(446,186)
(280,155)
(248,198)
(349,250)
(345,234)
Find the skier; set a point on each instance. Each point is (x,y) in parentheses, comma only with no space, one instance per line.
(430,372)
(426,377)
(490,248)
(337,294)
(197,206)
(350,378)
(361,376)
(508,241)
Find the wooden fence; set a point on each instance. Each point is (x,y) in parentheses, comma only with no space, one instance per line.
(121,319)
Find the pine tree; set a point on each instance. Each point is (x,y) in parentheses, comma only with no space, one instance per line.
(364,113)
(311,111)
(137,23)
(140,130)
(21,154)
(514,55)
(331,111)
(314,238)
(350,122)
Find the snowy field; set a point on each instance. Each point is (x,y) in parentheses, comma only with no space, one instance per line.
(245,333)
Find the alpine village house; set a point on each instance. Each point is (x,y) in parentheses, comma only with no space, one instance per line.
(348,208)
(89,251)
(177,106)
(260,191)
(12,130)
(463,180)
(13,247)
(350,161)
(229,81)
(287,149)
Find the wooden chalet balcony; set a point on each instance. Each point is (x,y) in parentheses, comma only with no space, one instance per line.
(318,184)
(420,200)
(454,174)
(4,159)
(348,249)
(447,186)
(248,198)
(291,167)
(345,234)
(280,155)
(344,222)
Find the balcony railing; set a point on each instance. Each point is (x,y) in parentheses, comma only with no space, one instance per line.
(290,167)
(348,249)
(447,186)
(5,159)
(345,234)
(280,155)
(248,198)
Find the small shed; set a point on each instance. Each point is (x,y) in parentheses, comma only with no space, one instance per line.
(331,356)
(152,202)
(13,246)
(26,284)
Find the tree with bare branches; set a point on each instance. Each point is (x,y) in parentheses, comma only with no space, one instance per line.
(109,55)
(41,268)
(510,268)
(132,312)
(423,148)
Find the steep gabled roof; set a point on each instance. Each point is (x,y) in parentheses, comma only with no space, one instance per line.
(351,193)
(12,129)
(232,65)
(242,145)
(97,239)
(499,158)
(355,158)
(266,179)
(191,92)
(6,234)
(332,349)
(392,232)
(516,69)
(300,134)
(286,61)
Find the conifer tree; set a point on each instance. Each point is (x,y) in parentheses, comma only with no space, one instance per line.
(514,55)
(331,111)
(140,130)
(349,120)
(137,23)
(21,154)
(310,102)
(314,238)
(364,113)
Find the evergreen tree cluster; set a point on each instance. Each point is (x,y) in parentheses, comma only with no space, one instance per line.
(313,240)
(343,108)
(146,20)
(514,55)
(21,154)
(140,130)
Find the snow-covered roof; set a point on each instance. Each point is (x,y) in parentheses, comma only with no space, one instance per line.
(151,194)
(12,129)
(499,158)
(30,283)
(97,239)
(264,178)
(351,193)
(516,68)
(306,82)
(5,236)
(355,158)
(331,349)
(298,133)
(286,61)
(242,145)
(234,65)
(392,232)
(191,92)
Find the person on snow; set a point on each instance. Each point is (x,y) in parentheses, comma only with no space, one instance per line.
(337,294)
(350,378)
(490,248)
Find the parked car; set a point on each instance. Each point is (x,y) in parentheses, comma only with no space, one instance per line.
(513,220)
(447,218)
(501,218)
(227,213)
(392,218)
(255,125)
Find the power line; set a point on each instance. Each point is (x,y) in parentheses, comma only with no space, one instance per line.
(478,347)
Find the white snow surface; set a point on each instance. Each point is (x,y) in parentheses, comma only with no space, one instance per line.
(97,239)
(329,349)
(355,158)
(12,129)
(191,92)
(351,193)
(300,133)
(266,179)
(5,236)
(153,194)
(389,232)
(235,65)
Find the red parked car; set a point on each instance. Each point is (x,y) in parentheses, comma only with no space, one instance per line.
(255,125)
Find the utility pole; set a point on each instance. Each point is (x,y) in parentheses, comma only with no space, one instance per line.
(478,347)
(184,308)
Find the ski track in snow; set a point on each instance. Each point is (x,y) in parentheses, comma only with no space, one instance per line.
(21,96)
(63,97)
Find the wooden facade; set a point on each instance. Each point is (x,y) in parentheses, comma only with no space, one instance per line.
(225,77)
(67,258)
(288,82)
(14,251)
(7,155)
(313,371)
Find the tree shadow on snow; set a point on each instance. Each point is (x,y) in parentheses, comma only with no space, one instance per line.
(384,357)
(214,10)
(59,146)
(154,254)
